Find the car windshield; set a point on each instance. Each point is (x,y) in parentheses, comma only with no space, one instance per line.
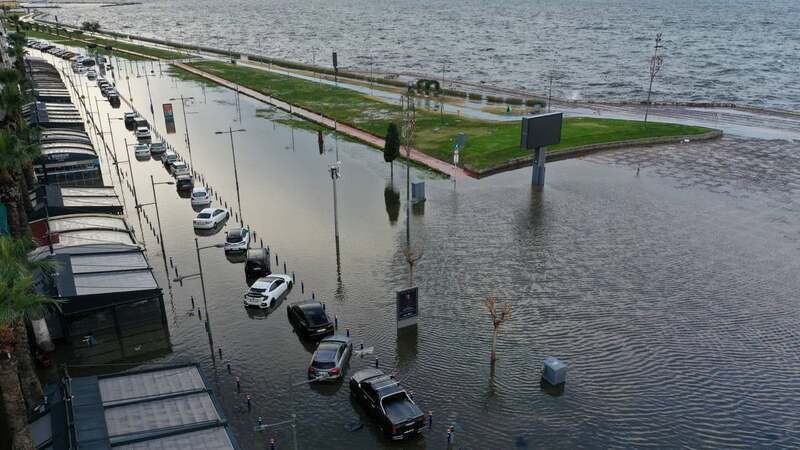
(256,291)
(233,238)
(315,315)
(204,215)
(198,194)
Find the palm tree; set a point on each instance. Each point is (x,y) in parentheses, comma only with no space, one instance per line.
(18,147)
(15,158)
(19,301)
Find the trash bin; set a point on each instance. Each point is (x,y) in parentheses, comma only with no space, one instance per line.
(554,371)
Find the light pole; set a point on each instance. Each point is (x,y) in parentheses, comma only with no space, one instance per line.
(335,175)
(149,94)
(235,172)
(203,288)
(111,132)
(185,123)
(158,218)
(133,178)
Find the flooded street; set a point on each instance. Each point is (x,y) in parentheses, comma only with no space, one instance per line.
(672,295)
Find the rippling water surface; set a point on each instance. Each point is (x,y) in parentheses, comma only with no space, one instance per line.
(745,51)
(672,295)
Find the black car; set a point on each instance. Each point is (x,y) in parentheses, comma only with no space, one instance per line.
(257,264)
(383,397)
(184,183)
(310,320)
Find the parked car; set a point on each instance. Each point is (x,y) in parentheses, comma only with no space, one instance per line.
(331,357)
(91,74)
(158,148)
(143,133)
(266,292)
(141,150)
(257,263)
(113,97)
(237,240)
(130,119)
(383,397)
(178,168)
(209,218)
(200,196)
(184,183)
(169,158)
(310,320)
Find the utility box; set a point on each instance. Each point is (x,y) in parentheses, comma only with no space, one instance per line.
(418,192)
(554,371)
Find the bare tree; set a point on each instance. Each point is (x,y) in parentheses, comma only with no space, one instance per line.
(499,314)
(656,61)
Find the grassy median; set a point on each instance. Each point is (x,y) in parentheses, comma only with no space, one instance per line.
(489,143)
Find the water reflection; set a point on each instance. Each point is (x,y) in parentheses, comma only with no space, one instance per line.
(392,199)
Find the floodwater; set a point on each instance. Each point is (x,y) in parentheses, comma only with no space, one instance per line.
(745,51)
(672,295)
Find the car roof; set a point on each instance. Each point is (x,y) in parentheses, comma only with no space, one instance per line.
(309,305)
(199,189)
(184,178)
(208,210)
(336,339)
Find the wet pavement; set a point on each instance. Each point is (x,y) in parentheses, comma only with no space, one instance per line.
(671,294)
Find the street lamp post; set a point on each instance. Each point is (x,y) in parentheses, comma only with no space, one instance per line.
(185,123)
(199,274)
(158,217)
(334,170)
(235,171)
(133,178)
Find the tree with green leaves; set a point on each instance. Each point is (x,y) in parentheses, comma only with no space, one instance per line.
(19,301)
(391,147)
(91,26)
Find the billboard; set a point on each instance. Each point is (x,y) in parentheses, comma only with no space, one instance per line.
(407,307)
(541,130)
(169,117)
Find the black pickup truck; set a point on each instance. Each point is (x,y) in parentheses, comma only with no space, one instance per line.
(398,416)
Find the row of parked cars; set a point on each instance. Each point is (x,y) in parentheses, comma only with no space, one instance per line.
(52,49)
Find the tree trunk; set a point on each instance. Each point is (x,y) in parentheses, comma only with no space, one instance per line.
(29,382)
(494,344)
(13,403)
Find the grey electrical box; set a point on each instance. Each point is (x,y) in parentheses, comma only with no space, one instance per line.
(541,130)
(418,192)
(554,371)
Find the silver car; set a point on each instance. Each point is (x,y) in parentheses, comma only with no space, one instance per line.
(330,358)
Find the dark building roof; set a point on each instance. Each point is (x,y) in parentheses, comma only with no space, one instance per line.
(166,408)
(75,200)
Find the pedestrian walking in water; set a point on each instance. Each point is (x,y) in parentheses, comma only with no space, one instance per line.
(451,436)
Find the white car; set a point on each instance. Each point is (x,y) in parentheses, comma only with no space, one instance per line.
(200,196)
(169,158)
(179,168)
(267,291)
(237,240)
(143,133)
(209,218)
(141,150)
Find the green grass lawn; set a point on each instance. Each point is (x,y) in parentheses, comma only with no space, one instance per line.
(488,142)
(155,52)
